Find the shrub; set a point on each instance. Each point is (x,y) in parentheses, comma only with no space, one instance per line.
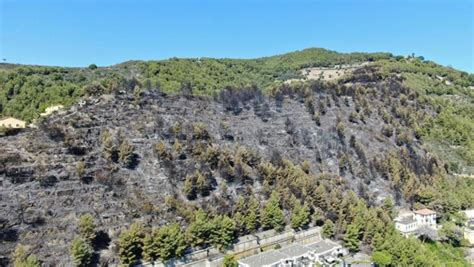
(387,130)
(230,261)
(162,151)
(317,118)
(289,126)
(353,117)
(94,89)
(340,129)
(200,131)
(80,168)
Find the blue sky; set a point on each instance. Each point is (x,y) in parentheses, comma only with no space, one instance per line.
(78,33)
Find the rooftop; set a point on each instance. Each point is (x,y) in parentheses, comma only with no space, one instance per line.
(469,213)
(265,258)
(424,212)
(322,246)
(6,118)
(406,220)
(359,258)
(294,250)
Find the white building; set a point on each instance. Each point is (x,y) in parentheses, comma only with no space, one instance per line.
(12,123)
(469,228)
(411,222)
(323,252)
(50,110)
(425,217)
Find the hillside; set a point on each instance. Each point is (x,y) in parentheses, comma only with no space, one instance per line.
(158,141)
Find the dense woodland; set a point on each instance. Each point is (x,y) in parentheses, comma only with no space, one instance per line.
(425,109)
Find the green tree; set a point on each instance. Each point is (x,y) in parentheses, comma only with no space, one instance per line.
(382,258)
(22,258)
(87,228)
(230,261)
(351,238)
(81,252)
(388,206)
(189,188)
(452,234)
(272,215)
(328,229)
(94,89)
(108,146)
(340,129)
(198,231)
(164,243)
(131,244)
(126,153)
(300,216)
(251,218)
(222,231)
(202,183)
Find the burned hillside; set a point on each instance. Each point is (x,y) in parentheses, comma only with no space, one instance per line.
(155,157)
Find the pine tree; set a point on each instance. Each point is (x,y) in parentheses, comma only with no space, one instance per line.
(126,153)
(252,218)
(189,188)
(202,184)
(272,215)
(165,243)
(382,258)
(197,233)
(150,248)
(388,206)
(320,197)
(222,232)
(21,257)
(351,238)
(175,242)
(299,216)
(81,252)
(107,144)
(131,244)
(318,217)
(87,228)
(328,229)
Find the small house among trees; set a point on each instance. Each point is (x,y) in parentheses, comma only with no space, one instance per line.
(12,123)
(412,222)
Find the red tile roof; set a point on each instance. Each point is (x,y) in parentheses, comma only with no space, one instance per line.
(425,212)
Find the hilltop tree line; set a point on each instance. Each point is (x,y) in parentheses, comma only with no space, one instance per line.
(25,91)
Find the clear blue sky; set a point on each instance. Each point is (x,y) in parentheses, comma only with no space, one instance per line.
(77,33)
